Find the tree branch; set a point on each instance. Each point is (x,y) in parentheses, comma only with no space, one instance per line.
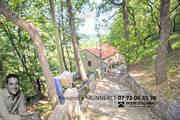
(118,4)
(113,15)
(175,7)
(132,14)
(153,15)
(10,36)
(154,5)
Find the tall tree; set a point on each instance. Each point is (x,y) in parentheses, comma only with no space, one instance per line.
(62,32)
(161,60)
(57,37)
(74,41)
(125,17)
(33,31)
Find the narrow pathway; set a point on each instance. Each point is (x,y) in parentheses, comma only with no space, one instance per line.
(108,109)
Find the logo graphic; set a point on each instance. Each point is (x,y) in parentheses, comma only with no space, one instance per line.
(120,104)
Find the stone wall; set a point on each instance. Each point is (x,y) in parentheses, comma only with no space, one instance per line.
(166,110)
(70,110)
(92,84)
(92,88)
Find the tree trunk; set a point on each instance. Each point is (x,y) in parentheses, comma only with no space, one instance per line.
(21,57)
(125,17)
(169,47)
(68,55)
(57,38)
(1,71)
(161,60)
(1,68)
(33,82)
(64,59)
(174,24)
(38,85)
(134,20)
(69,58)
(61,22)
(32,30)
(74,41)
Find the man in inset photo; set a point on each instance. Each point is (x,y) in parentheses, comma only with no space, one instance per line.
(12,102)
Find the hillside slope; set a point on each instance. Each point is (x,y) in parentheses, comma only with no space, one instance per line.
(143,71)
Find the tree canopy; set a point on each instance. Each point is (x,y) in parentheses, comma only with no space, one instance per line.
(40,39)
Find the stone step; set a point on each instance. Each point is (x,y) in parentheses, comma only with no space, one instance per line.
(108,109)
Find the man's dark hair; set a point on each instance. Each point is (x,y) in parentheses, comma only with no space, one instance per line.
(10,76)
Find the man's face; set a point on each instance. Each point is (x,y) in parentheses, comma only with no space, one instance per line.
(13,86)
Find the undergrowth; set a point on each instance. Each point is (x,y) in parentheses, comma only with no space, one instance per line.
(170,89)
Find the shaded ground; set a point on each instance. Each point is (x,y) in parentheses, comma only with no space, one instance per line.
(44,107)
(108,109)
(143,72)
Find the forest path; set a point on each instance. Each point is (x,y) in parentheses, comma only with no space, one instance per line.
(108,109)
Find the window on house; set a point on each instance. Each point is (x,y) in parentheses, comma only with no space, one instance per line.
(89,63)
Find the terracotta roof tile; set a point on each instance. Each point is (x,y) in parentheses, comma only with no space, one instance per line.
(107,51)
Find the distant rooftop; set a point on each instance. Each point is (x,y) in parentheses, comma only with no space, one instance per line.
(107,51)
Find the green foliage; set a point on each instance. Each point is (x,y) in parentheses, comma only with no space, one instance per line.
(25,53)
(144,22)
(143,17)
(38,13)
(175,40)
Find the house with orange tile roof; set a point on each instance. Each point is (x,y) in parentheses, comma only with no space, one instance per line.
(99,56)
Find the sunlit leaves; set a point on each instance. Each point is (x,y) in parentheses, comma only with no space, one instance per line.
(144,22)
